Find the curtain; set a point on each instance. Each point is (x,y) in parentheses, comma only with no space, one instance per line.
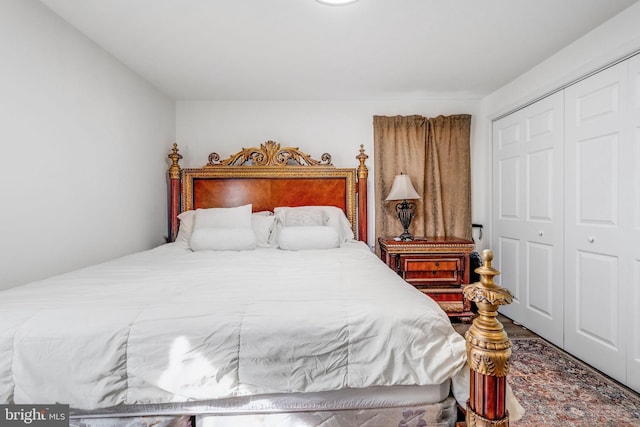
(436,154)
(448,177)
(399,146)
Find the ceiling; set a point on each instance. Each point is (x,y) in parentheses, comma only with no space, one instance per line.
(303,50)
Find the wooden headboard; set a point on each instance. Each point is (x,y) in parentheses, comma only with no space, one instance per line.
(267,177)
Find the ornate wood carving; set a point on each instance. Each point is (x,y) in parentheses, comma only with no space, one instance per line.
(272,162)
(363,174)
(488,350)
(451,307)
(174,169)
(174,192)
(478,421)
(269,154)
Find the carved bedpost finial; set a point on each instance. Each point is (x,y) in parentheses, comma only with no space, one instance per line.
(488,348)
(174,169)
(174,192)
(363,172)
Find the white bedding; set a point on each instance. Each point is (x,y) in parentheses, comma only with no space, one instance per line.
(172,325)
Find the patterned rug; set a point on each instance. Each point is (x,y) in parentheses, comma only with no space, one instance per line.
(558,390)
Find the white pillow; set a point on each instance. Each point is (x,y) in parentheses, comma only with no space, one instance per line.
(187,219)
(338,220)
(223,229)
(185,227)
(222,239)
(308,237)
(301,216)
(332,216)
(262,227)
(238,217)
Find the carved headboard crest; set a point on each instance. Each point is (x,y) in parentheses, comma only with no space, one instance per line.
(269,154)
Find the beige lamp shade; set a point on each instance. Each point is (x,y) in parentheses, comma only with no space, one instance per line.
(402,189)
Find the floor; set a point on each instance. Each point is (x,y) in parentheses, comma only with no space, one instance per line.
(602,389)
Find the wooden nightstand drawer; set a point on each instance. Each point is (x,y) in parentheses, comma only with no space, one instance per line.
(436,266)
(446,271)
(450,300)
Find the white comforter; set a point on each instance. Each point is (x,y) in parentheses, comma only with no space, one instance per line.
(171,325)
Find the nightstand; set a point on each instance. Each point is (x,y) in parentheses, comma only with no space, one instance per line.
(437,266)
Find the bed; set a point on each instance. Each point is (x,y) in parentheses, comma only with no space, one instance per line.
(300,324)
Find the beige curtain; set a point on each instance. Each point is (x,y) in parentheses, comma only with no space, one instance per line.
(435,153)
(448,177)
(399,146)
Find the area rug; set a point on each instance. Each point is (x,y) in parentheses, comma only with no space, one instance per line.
(558,390)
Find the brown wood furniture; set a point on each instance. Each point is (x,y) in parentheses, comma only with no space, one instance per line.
(266,177)
(437,266)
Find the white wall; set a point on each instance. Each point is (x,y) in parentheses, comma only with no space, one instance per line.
(615,39)
(612,40)
(315,127)
(84,143)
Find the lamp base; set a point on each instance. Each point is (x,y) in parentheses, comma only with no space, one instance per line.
(406,236)
(405,211)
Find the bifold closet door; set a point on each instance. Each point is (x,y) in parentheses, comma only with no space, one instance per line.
(528,214)
(633,337)
(598,211)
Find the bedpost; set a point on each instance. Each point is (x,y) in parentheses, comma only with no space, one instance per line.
(174,192)
(488,350)
(363,174)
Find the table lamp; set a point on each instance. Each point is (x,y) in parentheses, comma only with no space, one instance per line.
(402,189)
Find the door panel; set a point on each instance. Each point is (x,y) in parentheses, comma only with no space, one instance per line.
(508,191)
(600,102)
(540,280)
(633,360)
(632,187)
(595,147)
(528,221)
(509,135)
(540,182)
(507,140)
(508,258)
(597,293)
(597,183)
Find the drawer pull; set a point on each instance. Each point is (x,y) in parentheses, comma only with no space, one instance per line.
(437,264)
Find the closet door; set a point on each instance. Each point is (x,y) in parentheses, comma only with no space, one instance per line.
(528,212)
(598,209)
(633,337)
(508,134)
